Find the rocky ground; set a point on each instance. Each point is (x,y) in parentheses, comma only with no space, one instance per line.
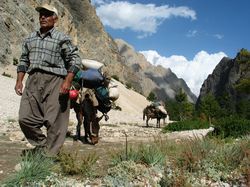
(123,125)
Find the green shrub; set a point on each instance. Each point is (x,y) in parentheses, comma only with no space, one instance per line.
(186,125)
(149,154)
(208,160)
(231,127)
(151,97)
(34,167)
(243,56)
(225,161)
(68,162)
(119,156)
(243,86)
(174,177)
(129,173)
(74,164)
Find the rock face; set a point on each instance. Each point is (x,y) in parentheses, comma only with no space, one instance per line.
(161,81)
(18,19)
(78,19)
(224,83)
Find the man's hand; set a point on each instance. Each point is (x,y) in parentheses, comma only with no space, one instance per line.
(19,83)
(19,88)
(67,83)
(65,87)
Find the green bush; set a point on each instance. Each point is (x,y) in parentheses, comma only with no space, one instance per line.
(243,56)
(243,86)
(34,167)
(74,164)
(151,155)
(186,125)
(231,127)
(148,154)
(119,156)
(202,161)
(151,97)
(129,173)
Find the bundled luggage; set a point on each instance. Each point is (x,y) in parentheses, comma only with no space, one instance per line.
(92,78)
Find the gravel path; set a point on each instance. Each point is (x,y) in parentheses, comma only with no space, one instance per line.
(9,101)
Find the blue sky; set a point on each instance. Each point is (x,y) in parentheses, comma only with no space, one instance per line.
(188,36)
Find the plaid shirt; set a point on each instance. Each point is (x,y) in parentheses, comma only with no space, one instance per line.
(51,52)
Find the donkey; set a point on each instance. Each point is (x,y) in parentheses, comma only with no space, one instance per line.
(89,103)
(86,114)
(153,113)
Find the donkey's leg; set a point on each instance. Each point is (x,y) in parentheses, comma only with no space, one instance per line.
(147,121)
(79,124)
(86,124)
(95,130)
(79,119)
(158,122)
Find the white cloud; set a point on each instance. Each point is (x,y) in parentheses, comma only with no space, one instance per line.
(192,33)
(98,2)
(194,72)
(218,36)
(142,18)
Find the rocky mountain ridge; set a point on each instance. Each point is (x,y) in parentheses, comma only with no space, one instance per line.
(230,84)
(78,19)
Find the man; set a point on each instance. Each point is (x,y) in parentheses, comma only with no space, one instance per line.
(51,62)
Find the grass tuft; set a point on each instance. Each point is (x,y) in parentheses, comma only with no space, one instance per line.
(72,163)
(33,167)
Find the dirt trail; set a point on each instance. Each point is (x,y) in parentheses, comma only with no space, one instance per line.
(12,142)
(127,122)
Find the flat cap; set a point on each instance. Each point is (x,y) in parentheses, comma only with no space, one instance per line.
(47,7)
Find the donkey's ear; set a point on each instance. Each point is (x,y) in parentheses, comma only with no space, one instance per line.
(107,78)
(106,75)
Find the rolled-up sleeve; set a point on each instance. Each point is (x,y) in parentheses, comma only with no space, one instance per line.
(71,55)
(24,59)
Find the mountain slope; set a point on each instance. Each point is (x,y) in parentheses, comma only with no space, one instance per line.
(131,108)
(161,81)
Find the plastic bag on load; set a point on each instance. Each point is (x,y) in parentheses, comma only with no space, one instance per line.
(90,78)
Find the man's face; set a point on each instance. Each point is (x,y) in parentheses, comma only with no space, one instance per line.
(47,19)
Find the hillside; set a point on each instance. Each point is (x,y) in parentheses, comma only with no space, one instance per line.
(130,101)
